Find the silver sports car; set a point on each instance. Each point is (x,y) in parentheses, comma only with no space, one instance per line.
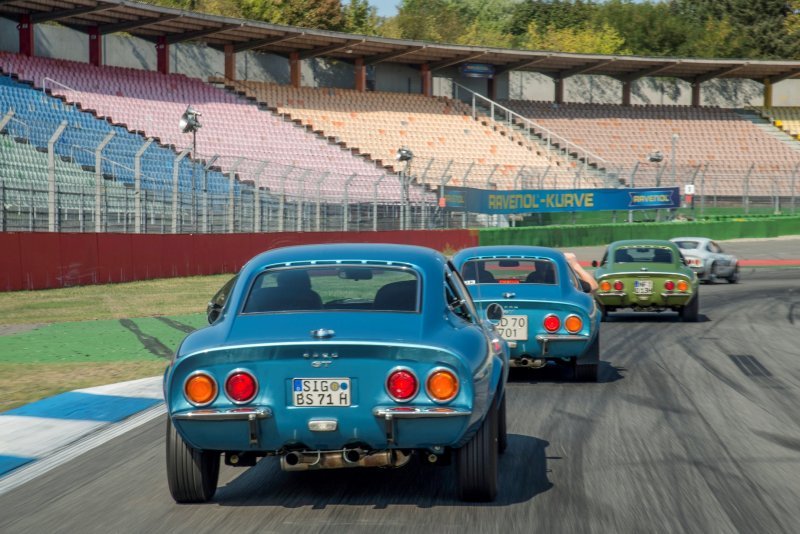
(707,259)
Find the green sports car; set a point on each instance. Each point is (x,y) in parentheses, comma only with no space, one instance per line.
(646,275)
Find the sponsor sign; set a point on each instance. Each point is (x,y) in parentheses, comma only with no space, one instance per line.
(477,70)
(559,200)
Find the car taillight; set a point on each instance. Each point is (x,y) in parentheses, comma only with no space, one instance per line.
(200,389)
(552,323)
(605,285)
(573,324)
(241,386)
(402,385)
(618,285)
(669,285)
(442,385)
(683,285)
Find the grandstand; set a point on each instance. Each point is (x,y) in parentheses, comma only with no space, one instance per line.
(481,154)
(243,136)
(103,142)
(720,141)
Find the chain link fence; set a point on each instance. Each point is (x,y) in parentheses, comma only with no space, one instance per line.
(50,183)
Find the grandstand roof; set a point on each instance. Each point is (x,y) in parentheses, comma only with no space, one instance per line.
(151,22)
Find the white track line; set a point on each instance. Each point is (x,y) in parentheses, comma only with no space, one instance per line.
(38,468)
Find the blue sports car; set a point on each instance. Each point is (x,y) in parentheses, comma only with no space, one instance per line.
(549,315)
(337,356)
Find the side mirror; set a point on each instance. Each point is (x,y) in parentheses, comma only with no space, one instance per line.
(494,313)
(213,312)
(585,286)
(595,263)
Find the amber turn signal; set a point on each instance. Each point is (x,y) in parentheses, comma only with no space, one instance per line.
(605,286)
(200,389)
(573,324)
(442,385)
(683,285)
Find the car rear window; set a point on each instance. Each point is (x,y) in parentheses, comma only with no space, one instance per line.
(509,271)
(643,255)
(687,245)
(335,288)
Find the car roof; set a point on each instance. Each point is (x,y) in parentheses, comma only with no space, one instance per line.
(421,257)
(642,242)
(700,239)
(505,251)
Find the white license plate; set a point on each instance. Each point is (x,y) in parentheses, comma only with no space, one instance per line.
(321,391)
(514,327)
(643,287)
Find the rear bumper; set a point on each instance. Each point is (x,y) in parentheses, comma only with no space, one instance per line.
(655,300)
(264,429)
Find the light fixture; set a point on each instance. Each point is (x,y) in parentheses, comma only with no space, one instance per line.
(655,157)
(404,154)
(189,120)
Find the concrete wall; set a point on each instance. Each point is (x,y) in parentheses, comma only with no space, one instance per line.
(200,61)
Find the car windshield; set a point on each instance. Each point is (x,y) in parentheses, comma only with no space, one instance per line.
(643,254)
(687,245)
(509,271)
(336,288)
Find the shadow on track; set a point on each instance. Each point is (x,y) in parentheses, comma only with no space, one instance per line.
(562,373)
(650,317)
(522,476)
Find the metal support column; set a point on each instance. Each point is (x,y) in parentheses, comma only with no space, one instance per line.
(346,203)
(318,224)
(176,167)
(99,196)
(232,194)
(52,216)
(257,197)
(137,186)
(375,202)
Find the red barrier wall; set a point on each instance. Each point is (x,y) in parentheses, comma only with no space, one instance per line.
(36,260)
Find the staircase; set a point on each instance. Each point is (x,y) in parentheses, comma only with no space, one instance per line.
(768,128)
(586,162)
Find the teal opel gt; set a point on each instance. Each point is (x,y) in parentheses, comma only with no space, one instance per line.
(339,356)
(549,315)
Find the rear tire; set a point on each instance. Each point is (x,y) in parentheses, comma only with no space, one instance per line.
(192,475)
(502,429)
(734,277)
(588,372)
(477,462)
(690,312)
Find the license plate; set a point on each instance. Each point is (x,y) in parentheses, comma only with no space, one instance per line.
(514,327)
(643,287)
(321,391)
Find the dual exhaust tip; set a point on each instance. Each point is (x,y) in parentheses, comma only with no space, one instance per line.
(535,363)
(356,457)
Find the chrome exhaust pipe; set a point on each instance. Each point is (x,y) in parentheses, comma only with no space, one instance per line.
(352,456)
(313,460)
(538,363)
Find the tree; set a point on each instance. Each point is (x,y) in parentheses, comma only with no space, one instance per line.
(581,40)
(319,14)
(359,17)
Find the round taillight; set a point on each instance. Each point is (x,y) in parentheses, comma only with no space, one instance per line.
(442,385)
(605,286)
(200,389)
(573,324)
(618,285)
(402,385)
(552,323)
(683,285)
(669,285)
(241,387)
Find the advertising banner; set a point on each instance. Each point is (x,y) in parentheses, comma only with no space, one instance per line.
(559,200)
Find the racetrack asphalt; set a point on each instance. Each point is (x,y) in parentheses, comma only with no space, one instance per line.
(33,433)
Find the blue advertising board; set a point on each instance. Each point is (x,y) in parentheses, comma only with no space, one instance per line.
(564,200)
(477,70)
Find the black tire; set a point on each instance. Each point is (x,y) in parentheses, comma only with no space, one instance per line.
(691,311)
(191,474)
(603,314)
(588,372)
(712,273)
(477,462)
(502,428)
(734,277)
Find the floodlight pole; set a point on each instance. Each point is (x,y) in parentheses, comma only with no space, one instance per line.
(193,161)
(673,156)
(52,216)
